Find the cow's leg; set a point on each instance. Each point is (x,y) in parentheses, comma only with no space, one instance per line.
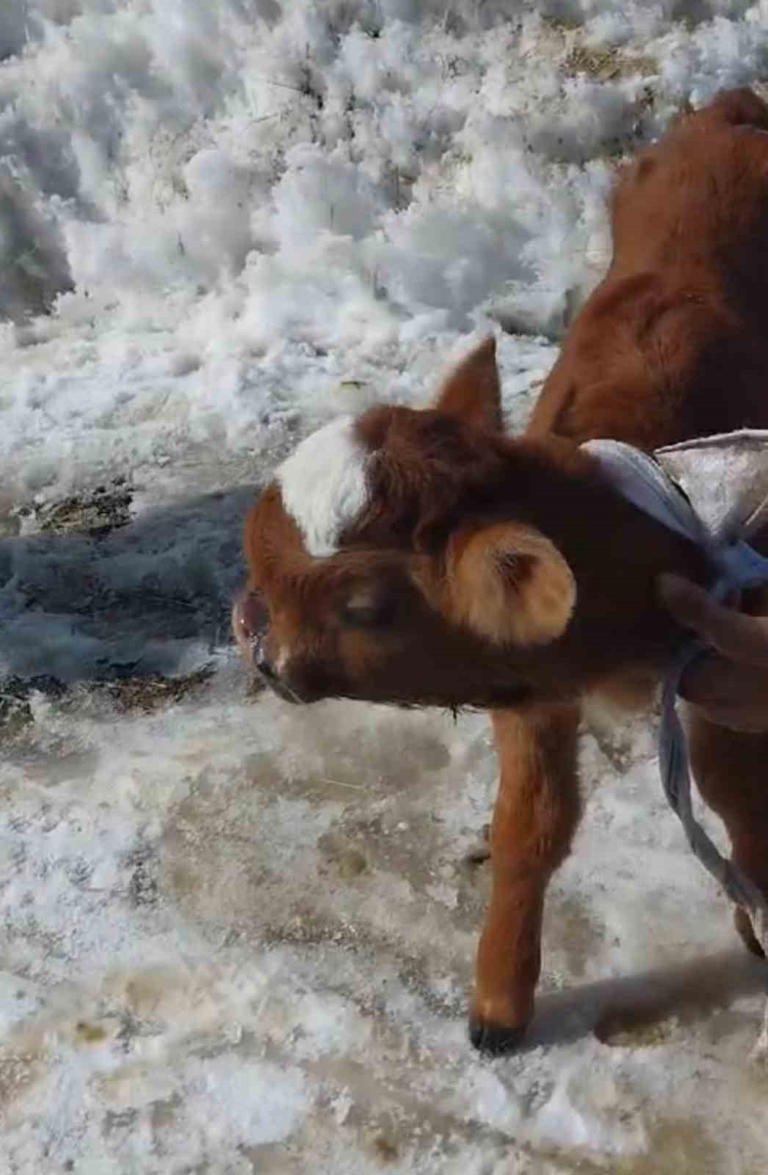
(731,772)
(536,813)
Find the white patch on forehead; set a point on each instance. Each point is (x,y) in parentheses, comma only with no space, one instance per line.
(323,484)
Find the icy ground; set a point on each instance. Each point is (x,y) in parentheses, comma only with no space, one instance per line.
(237,936)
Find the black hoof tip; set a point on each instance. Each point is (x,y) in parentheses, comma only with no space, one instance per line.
(494,1039)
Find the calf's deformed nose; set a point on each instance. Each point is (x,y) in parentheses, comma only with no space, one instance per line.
(261,661)
(249,620)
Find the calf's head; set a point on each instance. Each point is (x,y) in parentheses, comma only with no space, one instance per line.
(399,557)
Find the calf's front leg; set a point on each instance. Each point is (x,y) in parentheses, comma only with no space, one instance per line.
(536,813)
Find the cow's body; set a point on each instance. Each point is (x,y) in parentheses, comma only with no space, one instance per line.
(422,558)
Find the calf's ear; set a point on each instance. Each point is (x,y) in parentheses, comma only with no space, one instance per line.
(472,391)
(509,584)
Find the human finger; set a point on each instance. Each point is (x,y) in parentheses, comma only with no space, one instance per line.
(734,634)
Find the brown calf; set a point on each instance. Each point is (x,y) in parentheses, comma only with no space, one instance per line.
(425,558)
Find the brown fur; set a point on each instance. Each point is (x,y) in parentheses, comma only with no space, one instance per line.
(485,568)
(505,573)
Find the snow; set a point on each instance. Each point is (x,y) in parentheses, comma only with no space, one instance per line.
(239,936)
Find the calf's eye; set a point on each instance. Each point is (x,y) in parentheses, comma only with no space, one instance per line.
(365,610)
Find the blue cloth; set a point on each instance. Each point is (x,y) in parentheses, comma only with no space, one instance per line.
(640,479)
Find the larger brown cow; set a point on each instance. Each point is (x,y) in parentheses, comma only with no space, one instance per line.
(425,558)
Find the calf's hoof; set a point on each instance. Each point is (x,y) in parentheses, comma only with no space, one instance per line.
(495,1039)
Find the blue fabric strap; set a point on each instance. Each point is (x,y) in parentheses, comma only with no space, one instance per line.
(642,481)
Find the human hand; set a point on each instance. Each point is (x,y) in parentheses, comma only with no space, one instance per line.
(729,684)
